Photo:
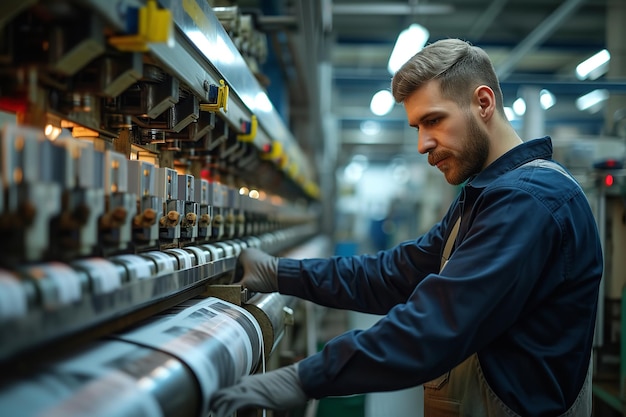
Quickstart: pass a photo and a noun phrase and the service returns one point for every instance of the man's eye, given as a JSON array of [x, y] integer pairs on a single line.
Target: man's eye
[[433, 122]]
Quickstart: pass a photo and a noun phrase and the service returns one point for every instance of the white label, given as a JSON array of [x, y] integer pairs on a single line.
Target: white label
[[104, 274], [66, 281], [13, 300]]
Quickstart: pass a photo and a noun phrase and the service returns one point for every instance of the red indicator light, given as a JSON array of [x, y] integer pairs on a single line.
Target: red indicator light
[[205, 174], [610, 163], [609, 180]]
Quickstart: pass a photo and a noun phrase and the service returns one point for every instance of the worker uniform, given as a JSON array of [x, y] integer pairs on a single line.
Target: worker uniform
[[504, 328]]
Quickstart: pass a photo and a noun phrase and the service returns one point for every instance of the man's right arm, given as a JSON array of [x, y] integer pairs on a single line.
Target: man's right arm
[[367, 283]]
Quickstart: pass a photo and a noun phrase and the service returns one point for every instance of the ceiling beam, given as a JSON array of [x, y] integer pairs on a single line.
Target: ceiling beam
[[399, 9], [484, 21], [537, 36]]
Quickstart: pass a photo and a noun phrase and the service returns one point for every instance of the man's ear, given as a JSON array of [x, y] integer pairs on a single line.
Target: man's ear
[[485, 98]]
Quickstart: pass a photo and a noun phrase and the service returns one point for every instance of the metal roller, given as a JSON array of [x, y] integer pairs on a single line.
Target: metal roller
[[201, 255], [229, 250], [185, 258], [219, 258], [216, 252], [273, 312], [165, 262], [136, 266], [57, 284], [236, 245], [252, 241]]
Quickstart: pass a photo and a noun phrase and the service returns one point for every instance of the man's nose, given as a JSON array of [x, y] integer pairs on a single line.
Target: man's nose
[[425, 142]]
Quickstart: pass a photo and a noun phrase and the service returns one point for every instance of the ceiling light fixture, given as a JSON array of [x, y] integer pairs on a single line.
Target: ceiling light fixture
[[510, 114], [594, 67], [382, 103], [519, 106], [546, 99], [370, 127], [592, 101], [410, 41]]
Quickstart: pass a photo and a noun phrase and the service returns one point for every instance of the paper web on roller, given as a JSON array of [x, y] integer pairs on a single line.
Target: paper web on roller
[[83, 385], [219, 341]]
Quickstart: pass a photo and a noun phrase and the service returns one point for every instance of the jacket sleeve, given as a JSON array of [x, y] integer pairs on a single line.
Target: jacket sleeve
[[366, 283], [448, 315]]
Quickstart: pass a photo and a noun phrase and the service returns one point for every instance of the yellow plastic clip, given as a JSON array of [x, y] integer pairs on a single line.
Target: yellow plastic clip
[[249, 137], [312, 189], [154, 25], [292, 169], [220, 101], [274, 152]]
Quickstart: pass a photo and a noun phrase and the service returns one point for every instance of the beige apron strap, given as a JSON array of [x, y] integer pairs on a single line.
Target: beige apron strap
[[449, 243]]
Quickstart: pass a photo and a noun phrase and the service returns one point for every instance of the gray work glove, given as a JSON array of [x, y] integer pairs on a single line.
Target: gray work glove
[[274, 390], [257, 271]]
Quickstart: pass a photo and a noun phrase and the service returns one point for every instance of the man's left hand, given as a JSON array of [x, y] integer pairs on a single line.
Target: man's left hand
[[274, 390]]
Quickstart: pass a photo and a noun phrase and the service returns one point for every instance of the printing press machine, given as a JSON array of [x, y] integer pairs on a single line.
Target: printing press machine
[[139, 157]]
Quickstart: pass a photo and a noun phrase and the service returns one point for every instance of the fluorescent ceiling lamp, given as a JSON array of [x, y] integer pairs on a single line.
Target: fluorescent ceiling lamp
[[519, 106], [354, 170], [382, 103], [592, 101], [370, 127], [410, 41], [546, 99], [594, 66], [510, 114]]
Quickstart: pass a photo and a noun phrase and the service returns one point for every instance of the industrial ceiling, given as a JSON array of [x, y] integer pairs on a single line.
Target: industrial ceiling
[[340, 49]]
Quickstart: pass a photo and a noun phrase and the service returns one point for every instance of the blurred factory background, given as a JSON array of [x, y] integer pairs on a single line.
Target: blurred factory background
[[145, 143]]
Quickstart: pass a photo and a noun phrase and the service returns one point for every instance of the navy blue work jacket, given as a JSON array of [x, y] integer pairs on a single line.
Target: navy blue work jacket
[[520, 290]]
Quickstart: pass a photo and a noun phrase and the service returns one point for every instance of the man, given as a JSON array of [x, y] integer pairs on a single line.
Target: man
[[494, 315]]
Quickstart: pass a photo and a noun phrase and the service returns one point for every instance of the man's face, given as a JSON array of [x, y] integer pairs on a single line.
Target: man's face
[[451, 136]]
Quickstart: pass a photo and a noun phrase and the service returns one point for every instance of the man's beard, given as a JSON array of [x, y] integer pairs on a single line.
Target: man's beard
[[471, 160]]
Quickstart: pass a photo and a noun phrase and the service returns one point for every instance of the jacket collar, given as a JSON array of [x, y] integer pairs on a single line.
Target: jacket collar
[[525, 152]]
